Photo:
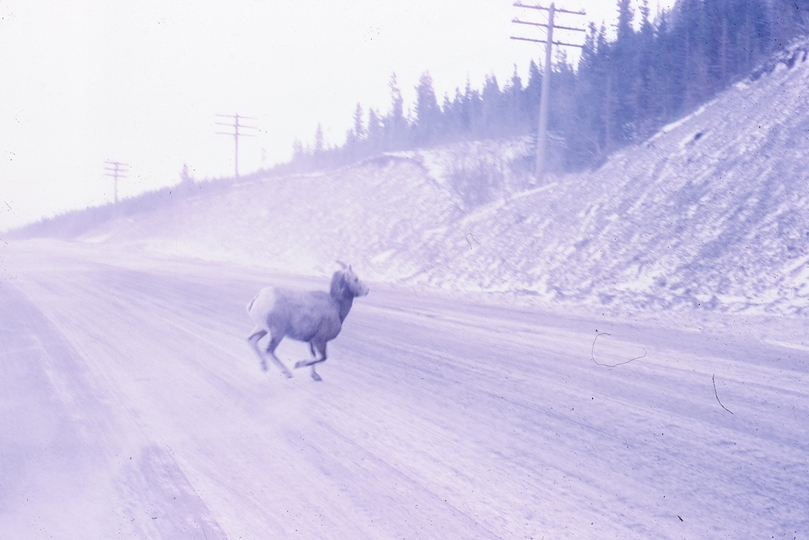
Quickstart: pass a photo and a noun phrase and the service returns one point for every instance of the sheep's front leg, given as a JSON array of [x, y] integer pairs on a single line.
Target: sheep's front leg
[[303, 363], [315, 376]]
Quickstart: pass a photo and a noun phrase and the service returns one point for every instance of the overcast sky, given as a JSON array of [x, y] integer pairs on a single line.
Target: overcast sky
[[141, 82]]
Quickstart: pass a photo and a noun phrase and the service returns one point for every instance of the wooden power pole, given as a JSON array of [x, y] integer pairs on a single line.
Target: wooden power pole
[[115, 170], [542, 133], [236, 134]]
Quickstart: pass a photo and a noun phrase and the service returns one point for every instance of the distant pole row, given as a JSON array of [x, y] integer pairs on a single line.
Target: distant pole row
[[117, 169], [542, 134]]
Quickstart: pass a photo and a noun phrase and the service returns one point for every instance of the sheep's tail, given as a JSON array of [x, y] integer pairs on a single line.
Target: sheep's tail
[[250, 305]]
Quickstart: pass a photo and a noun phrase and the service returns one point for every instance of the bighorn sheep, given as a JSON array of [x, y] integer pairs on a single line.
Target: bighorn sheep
[[314, 317]]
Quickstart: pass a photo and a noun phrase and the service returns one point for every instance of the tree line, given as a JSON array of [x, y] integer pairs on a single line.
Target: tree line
[[623, 90]]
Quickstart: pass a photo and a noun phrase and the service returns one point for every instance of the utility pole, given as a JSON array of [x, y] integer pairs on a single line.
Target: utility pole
[[542, 133], [236, 126], [115, 170]]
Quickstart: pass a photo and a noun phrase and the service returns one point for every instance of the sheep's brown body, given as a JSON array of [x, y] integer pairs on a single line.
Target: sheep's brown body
[[314, 317]]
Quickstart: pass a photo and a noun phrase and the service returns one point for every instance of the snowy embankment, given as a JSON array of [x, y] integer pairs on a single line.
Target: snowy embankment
[[711, 212], [381, 214]]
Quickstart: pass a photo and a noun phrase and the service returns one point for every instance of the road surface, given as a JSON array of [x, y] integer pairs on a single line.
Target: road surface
[[132, 407]]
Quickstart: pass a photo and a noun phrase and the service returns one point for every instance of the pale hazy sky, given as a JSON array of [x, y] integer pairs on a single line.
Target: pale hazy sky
[[141, 82]]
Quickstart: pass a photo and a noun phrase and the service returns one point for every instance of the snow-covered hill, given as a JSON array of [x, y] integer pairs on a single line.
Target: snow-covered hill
[[713, 211], [379, 214]]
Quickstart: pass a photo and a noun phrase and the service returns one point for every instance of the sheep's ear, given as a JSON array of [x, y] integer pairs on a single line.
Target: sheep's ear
[[341, 263]]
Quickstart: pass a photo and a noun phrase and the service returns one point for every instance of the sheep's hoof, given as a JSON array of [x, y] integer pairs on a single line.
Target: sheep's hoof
[[288, 375], [316, 377]]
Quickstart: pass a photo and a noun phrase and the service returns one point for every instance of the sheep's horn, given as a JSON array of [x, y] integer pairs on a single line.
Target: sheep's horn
[[341, 263]]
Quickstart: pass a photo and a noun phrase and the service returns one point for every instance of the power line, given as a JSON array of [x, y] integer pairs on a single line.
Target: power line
[[115, 170], [236, 134], [542, 134]]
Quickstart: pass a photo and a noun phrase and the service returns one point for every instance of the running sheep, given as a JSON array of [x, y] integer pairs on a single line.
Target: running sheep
[[314, 317]]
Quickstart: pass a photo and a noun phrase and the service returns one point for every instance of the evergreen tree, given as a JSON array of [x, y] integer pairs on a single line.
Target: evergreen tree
[[624, 76], [319, 145], [375, 132], [358, 133], [753, 35], [461, 114], [787, 19], [297, 150], [395, 123], [473, 111], [608, 104], [428, 114], [562, 119], [491, 108], [531, 97], [581, 138], [646, 116], [514, 117]]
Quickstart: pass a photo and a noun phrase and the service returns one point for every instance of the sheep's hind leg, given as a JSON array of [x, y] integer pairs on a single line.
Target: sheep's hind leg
[[271, 351], [253, 339]]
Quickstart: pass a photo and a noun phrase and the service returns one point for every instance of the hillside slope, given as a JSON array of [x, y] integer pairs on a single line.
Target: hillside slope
[[379, 214], [713, 211]]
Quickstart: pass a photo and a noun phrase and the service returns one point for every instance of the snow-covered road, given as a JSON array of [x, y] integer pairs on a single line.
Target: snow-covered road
[[132, 407]]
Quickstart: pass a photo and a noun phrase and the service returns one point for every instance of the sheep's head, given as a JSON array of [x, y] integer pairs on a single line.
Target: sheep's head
[[347, 281], [357, 287]]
